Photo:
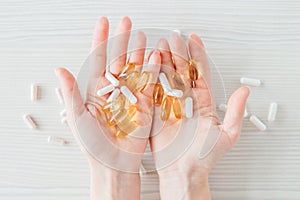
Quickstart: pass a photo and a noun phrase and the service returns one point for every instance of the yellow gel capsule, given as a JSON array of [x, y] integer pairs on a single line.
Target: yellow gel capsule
[[165, 108], [193, 72], [142, 83], [132, 110], [128, 68], [177, 82], [124, 122], [158, 94], [177, 108], [109, 120], [116, 104], [120, 134], [130, 80]]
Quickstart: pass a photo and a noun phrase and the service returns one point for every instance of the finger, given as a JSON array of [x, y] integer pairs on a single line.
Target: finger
[[234, 115], [153, 67], [120, 45], [99, 44], [138, 49], [179, 53], [198, 54], [166, 56], [70, 92]]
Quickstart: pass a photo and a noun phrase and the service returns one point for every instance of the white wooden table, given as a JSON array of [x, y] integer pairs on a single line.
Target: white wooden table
[[254, 38]]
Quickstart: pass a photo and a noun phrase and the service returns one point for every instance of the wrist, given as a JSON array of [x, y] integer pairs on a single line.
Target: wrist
[[107, 183]]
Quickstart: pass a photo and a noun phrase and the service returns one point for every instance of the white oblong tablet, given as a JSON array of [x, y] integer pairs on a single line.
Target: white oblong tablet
[[222, 107], [272, 111], [113, 95], [175, 93], [250, 81], [258, 123], [128, 94], [105, 90], [164, 82], [34, 92], [63, 113], [28, 119], [59, 95], [56, 140], [112, 79], [189, 107]]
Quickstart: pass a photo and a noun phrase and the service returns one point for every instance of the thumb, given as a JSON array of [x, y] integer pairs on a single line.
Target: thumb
[[235, 111], [70, 91]]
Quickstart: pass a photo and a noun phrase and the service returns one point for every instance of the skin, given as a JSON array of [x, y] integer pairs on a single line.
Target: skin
[[187, 177]]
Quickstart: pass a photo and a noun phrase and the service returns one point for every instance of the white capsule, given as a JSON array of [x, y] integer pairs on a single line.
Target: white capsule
[[113, 95], [105, 90], [164, 82], [59, 95], [246, 114], [272, 111], [250, 81], [189, 107], [64, 120], [175, 93], [128, 94], [63, 113], [34, 92], [112, 79], [30, 121], [56, 140], [222, 107], [258, 123]]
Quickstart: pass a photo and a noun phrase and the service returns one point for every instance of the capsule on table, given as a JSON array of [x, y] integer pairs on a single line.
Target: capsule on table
[[166, 108], [177, 81], [158, 94], [177, 108], [143, 81], [193, 71]]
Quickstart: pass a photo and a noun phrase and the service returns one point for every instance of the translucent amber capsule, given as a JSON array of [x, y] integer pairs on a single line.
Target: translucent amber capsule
[[116, 104], [193, 72], [158, 94], [120, 134], [109, 119], [128, 68], [166, 108], [130, 80], [123, 121], [193, 84], [177, 81], [143, 81], [177, 108], [132, 110]]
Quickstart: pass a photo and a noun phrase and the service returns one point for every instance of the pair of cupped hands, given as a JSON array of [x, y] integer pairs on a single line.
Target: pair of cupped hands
[[176, 144]]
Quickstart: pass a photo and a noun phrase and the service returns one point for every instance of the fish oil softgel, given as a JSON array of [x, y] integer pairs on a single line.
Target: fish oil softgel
[[120, 107]]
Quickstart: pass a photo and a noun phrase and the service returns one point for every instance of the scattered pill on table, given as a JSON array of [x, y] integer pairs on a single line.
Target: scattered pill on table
[[31, 123], [56, 140], [250, 81], [258, 123], [34, 93], [272, 111]]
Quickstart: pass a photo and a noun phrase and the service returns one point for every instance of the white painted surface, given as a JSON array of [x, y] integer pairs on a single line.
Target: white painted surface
[[259, 39]]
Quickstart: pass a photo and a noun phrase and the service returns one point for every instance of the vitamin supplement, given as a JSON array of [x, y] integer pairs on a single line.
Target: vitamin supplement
[[34, 92], [28, 119], [56, 140], [222, 107], [164, 82], [176, 81], [64, 120], [143, 81], [258, 123], [177, 108], [250, 81], [115, 104], [59, 95], [105, 90], [193, 71], [123, 121], [193, 84], [165, 108], [129, 67], [130, 80], [128, 94], [189, 107], [175, 93], [158, 94], [120, 134], [132, 110], [112, 79], [272, 111], [63, 113], [113, 95]]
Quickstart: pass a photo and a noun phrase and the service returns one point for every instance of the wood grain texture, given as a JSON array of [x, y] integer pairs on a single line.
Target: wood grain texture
[[255, 38]]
